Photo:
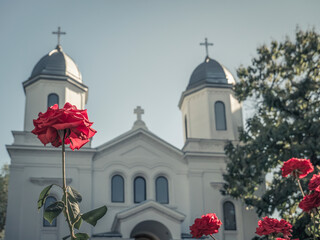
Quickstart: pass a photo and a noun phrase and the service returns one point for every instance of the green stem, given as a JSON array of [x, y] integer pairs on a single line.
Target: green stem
[[272, 236], [62, 135], [314, 226], [212, 237], [300, 187]]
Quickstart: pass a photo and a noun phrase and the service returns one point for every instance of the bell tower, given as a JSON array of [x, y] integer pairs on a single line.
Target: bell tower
[[55, 79], [211, 116], [208, 105]]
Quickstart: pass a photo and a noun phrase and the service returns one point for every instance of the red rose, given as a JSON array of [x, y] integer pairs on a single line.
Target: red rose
[[206, 225], [314, 184], [310, 201], [195, 229], [268, 226], [299, 167], [69, 118], [286, 239]]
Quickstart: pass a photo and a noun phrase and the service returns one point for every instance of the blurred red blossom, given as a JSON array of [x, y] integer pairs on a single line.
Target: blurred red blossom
[[286, 239], [314, 184], [269, 226], [206, 225], [298, 167], [310, 201]]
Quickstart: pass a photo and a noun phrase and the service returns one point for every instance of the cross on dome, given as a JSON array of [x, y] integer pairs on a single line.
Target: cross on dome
[[139, 111], [58, 34], [206, 44]]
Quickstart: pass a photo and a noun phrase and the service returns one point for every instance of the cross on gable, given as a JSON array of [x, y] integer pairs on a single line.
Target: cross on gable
[[206, 44], [139, 111], [59, 33]]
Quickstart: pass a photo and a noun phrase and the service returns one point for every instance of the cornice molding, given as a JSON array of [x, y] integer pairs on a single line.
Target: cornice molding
[[42, 181]]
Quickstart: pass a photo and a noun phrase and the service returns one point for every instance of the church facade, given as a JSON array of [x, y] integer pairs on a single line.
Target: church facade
[[153, 190]]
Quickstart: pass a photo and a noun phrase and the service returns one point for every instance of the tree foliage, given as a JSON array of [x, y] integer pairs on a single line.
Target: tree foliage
[[4, 179], [284, 82]]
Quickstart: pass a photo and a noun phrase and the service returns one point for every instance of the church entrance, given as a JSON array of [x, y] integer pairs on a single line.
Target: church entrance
[[150, 230], [144, 237]]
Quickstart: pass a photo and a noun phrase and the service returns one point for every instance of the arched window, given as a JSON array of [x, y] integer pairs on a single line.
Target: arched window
[[220, 116], [186, 126], [117, 189], [48, 202], [53, 99], [229, 215], [139, 189], [162, 194]]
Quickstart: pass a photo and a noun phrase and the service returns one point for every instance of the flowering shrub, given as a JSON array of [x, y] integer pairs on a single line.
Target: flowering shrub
[[67, 125], [206, 225], [270, 227], [300, 168]]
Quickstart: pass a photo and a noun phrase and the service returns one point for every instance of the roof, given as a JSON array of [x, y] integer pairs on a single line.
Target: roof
[[57, 63], [210, 72], [141, 131]]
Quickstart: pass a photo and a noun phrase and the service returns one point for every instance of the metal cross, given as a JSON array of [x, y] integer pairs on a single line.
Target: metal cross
[[59, 33], [139, 111], [206, 44]]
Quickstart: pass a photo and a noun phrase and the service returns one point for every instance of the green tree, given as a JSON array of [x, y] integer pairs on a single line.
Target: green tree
[[284, 83], [4, 178]]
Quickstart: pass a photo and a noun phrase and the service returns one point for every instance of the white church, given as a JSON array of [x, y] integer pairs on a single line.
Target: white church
[[152, 189]]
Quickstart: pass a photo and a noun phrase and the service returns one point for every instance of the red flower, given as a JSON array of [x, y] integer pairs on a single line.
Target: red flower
[[206, 225], [270, 225], [314, 183], [299, 167], [310, 201], [69, 118], [286, 239]]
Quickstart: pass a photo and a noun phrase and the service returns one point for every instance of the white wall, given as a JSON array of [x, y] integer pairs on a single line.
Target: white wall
[[32, 169], [198, 107], [138, 156], [37, 98]]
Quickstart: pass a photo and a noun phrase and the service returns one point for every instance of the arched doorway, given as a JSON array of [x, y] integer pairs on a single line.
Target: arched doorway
[[150, 230]]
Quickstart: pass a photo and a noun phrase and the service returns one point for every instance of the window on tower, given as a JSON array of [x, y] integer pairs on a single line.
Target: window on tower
[[162, 195], [220, 116], [229, 215], [117, 189], [48, 202], [139, 189], [53, 99], [186, 126]]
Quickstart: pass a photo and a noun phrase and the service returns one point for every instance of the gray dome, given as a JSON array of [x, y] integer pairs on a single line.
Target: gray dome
[[210, 71], [57, 63]]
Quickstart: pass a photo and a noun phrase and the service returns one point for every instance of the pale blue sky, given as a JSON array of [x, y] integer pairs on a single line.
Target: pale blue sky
[[135, 52]]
